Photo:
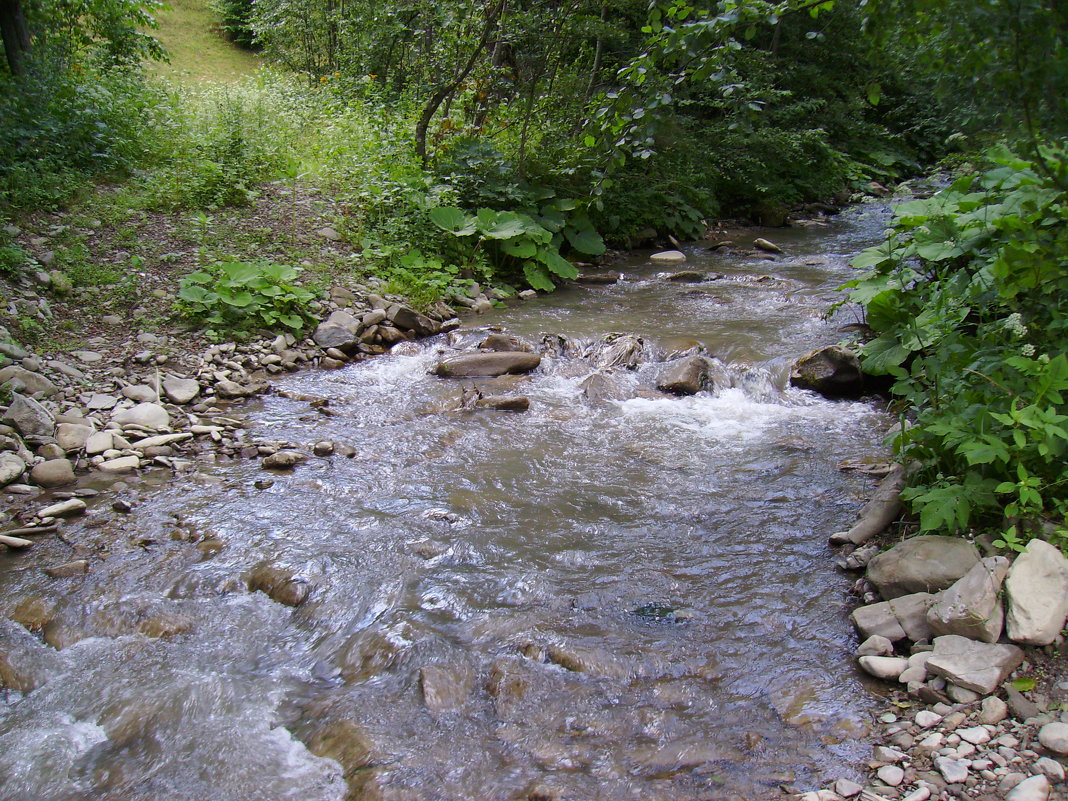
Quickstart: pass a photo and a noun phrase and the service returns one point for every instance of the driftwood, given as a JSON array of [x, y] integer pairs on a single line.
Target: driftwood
[[878, 513]]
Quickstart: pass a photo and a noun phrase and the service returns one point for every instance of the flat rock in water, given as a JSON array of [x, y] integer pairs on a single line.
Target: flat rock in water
[[79, 567], [504, 344], [977, 666], [145, 415], [504, 403], [27, 381], [284, 460], [1037, 589], [684, 377], [921, 564], [686, 277], [470, 365], [971, 607], [668, 257], [68, 508], [766, 246], [30, 418], [180, 390]]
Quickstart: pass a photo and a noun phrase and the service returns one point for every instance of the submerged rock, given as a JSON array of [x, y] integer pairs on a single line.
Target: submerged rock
[[444, 689], [278, 584]]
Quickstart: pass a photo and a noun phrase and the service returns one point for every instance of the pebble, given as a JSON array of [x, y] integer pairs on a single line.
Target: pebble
[[1054, 736], [891, 775], [925, 718], [977, 735], [952, 770]]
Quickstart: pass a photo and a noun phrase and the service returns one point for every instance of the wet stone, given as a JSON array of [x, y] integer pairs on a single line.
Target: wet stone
[[78, 567], [445, 689], [278, 584]]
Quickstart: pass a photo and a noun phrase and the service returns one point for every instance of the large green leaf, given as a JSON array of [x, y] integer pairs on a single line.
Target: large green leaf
[[522, 248], [241, 272], [883, 356], [197, 294], [556, 263], [538, 277], [585, 241], [499, 224], [453, 220]]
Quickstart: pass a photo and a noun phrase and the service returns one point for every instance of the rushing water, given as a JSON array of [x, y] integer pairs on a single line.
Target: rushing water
[[623, 596]]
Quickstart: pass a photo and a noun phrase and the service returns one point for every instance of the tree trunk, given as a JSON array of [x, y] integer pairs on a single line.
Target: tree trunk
[[15, 33], [435, 101]]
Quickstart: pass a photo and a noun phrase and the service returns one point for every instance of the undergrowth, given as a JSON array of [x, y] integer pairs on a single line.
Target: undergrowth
[[967, 302]]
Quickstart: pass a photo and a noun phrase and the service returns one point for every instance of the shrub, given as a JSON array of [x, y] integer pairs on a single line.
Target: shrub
[[967, 300], [236, 297]]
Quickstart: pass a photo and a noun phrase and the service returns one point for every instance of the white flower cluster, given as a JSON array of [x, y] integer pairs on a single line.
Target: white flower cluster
[[1015, 326]]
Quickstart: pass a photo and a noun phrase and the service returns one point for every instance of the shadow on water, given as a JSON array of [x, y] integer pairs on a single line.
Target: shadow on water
[[617, 594]]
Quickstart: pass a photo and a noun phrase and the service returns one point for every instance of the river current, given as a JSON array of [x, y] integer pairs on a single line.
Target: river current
[[616, 594]]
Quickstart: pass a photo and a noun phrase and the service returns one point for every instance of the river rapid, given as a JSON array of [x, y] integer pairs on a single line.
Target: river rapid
[[616, 594]]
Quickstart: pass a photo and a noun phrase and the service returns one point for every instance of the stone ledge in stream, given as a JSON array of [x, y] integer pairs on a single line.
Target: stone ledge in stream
[[470, 365]]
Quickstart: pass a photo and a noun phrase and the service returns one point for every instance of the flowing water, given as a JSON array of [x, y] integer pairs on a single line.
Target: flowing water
[[616, 594]]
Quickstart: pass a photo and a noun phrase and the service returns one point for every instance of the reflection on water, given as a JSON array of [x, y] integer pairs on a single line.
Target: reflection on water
[[616, 594]]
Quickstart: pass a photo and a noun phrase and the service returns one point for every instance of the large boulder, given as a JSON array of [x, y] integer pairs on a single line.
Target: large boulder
[[977, 666], [832, 371], [468, 365], [340, 330], [901, 618], [1037, 589], [972, 606], [685, 376], [921, 564], [23, 380], [30, 418]]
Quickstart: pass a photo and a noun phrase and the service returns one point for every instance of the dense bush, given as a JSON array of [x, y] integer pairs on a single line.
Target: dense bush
[[967, 301], [60, 126]]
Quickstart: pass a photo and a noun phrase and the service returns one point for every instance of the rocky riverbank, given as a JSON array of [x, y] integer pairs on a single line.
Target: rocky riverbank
[[970, 642]]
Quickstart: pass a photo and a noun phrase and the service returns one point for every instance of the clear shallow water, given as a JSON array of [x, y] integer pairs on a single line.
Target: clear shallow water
[[509, 551]]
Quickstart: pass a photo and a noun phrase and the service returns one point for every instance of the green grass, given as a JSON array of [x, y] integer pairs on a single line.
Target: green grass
[[189, 31]]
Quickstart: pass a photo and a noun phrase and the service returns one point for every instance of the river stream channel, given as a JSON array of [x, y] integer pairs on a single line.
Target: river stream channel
[[617, 594]]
